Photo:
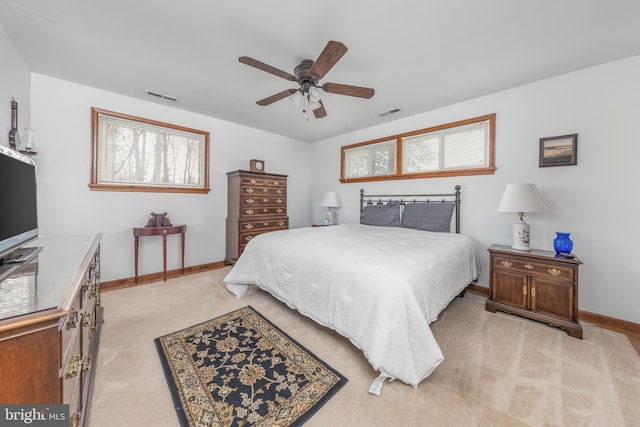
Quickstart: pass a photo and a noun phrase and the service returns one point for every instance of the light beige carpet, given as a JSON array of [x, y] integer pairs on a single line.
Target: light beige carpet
[[499, 370]]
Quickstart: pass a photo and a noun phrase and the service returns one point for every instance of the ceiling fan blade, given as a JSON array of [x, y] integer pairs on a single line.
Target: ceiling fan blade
[[277, 97], [331, 54], [266, 67], [359, 91], [320, 112]]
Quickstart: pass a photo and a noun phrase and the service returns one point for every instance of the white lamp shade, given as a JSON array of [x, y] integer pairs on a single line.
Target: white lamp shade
[[330, 200], [314, 94], [297, 98], [522, 198]]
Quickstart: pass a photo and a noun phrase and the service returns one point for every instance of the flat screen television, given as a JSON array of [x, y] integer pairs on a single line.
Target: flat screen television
[[18, 201]]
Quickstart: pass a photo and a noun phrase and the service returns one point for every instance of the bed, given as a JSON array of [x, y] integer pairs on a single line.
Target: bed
[[380, 283]]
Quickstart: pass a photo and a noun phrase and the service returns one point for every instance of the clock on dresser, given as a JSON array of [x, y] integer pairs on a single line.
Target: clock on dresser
[[256, 165]]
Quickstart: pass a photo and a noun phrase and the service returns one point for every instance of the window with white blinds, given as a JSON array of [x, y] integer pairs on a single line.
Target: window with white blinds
[[371, 160], [459, 147], [135, 154], [465, 147]]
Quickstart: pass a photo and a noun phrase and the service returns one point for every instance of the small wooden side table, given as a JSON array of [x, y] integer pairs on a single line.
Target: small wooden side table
[[164, 232]]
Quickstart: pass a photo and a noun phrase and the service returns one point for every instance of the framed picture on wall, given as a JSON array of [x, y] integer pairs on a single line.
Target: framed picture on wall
[[559, 150]]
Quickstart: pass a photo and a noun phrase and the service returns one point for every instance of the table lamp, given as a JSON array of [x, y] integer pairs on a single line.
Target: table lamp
[[330, 200], [522, 198]]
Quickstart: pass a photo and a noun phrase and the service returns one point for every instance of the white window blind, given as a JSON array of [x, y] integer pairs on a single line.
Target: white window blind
[[371, 160], [460, 147]]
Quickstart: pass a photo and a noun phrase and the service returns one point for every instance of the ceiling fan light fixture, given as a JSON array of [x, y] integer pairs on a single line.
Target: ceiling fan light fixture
[[297, 98], [308, 75], [314, 95], [313, 105]]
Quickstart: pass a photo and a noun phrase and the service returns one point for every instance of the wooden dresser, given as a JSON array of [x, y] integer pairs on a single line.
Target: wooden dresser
[[539, 285], [50, 320], [257, 203]]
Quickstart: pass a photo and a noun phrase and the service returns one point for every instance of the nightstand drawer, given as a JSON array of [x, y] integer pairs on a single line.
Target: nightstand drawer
[[544, 269]]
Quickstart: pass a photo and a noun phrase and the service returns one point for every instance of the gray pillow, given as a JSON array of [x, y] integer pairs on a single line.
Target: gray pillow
[[381, 215], [428, 216]]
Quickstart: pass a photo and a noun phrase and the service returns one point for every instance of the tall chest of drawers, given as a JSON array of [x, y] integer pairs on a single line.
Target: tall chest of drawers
[[257, 203], [50, 321]]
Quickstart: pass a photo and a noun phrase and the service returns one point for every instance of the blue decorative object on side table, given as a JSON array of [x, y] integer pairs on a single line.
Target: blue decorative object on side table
[[562, 243]]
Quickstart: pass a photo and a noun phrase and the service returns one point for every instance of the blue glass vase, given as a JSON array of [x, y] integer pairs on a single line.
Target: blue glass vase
[[562, 243]]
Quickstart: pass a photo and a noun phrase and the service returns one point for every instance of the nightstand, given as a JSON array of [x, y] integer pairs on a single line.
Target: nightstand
[[538, 285]]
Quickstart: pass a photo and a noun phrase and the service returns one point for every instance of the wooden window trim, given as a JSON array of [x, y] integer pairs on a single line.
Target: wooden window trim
[[488, 170], [94, 185]]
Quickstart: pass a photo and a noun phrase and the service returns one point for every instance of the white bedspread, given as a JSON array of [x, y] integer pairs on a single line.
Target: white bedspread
[[378, 286]]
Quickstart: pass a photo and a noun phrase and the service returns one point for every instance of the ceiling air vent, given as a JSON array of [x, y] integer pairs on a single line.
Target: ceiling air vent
[[159, 95], [386, 113]]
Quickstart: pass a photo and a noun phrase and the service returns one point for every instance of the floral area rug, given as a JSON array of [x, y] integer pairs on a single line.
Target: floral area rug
[[241, 369]]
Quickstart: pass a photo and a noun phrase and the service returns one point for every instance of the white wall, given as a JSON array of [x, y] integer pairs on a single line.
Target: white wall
[[14, 78], [61, 112], [595, 201]]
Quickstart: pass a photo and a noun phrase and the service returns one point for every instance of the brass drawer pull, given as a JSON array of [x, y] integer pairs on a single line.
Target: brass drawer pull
[[554, 272], [265, 200], [279, 201], [74, 366], [528, 266], [279, 210], [247, 238], [279, 191], [524, 290], [249, 211], [86, 363], [75, 419], [250, 201], [280, 223], [86, 319], [265, 210], [253, 181], [266, 224], [248, 226], [506, 263], [276, 182], [265, 190], [249, 190], [533, 292], [72, 321]]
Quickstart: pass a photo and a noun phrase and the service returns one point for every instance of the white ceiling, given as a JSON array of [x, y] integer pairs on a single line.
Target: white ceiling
[[418, 55]]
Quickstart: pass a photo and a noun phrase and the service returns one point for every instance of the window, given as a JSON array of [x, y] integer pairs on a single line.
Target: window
[[377, 159], [135, 154], [461, 148]]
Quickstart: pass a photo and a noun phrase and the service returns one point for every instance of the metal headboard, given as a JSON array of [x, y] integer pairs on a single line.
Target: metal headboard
[[379, 199]]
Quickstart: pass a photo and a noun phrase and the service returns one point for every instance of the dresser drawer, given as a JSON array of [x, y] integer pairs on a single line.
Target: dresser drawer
[[69, 328], [264, 181], [260, 211], [258, 201], [71, 369], [259, 226], [245, 237], [262, 191], [543, 269]]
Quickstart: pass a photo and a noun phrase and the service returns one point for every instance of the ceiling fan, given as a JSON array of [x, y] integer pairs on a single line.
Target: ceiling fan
[[308, 75]]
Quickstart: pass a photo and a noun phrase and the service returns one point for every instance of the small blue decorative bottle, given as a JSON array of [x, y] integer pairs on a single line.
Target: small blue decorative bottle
[[562, 243]]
